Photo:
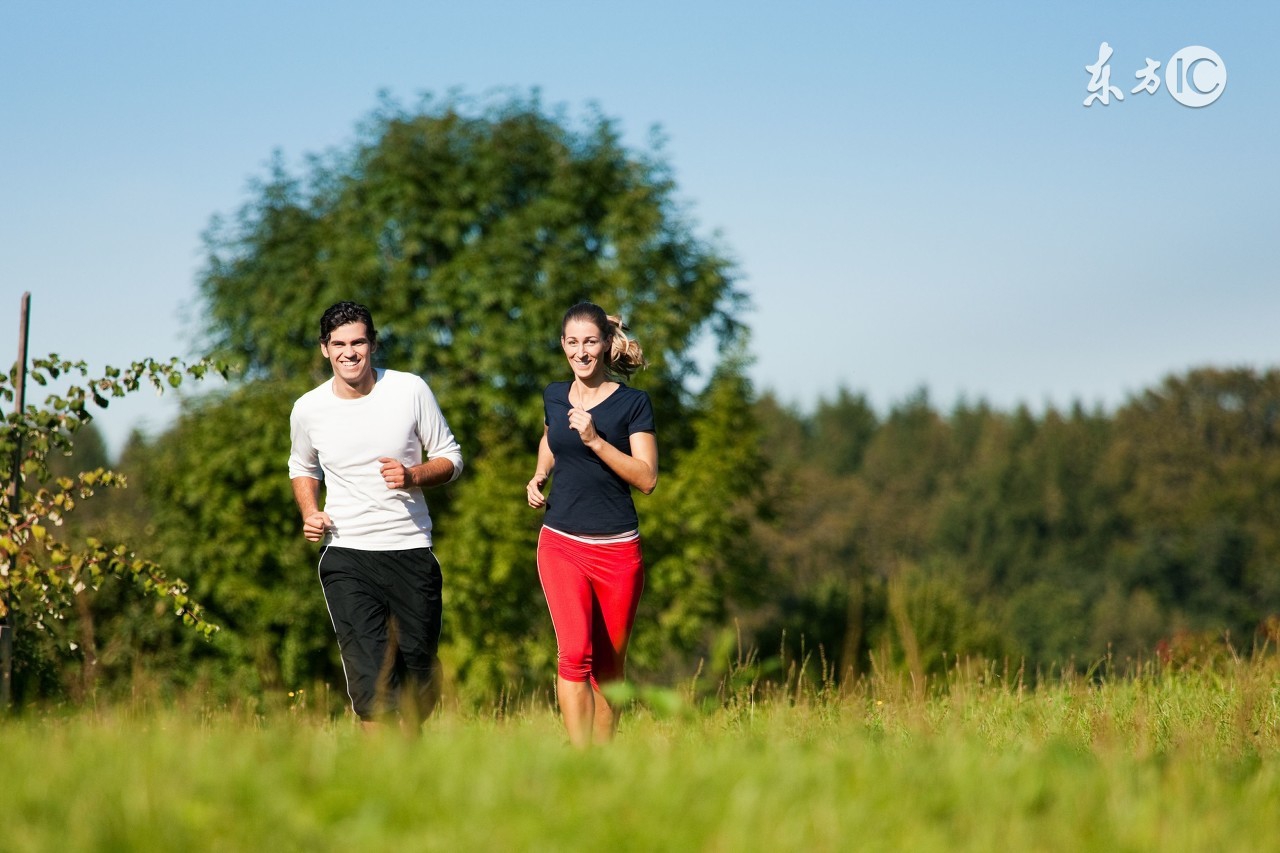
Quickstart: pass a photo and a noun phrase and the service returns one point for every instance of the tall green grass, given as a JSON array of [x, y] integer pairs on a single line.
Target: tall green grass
[[1160, 759]]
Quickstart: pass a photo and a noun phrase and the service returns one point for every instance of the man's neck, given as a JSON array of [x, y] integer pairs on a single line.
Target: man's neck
[[347, 391]]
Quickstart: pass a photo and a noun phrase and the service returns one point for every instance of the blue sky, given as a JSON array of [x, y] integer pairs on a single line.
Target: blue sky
[[915, 194]]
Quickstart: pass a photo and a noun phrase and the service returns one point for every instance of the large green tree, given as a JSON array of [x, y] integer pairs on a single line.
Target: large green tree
[[468, 229], [469, 232]]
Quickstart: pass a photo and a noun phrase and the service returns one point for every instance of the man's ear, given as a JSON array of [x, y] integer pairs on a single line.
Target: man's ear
[[324, 349]]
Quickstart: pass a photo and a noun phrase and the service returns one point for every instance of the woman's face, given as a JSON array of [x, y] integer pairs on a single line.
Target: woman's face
[[584, 346]]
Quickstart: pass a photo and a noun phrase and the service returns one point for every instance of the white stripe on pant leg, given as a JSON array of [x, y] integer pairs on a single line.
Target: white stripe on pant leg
[[538, 563], [341, 658]]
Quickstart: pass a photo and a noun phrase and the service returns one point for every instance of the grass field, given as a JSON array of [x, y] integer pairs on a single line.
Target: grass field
[[1161, 760]]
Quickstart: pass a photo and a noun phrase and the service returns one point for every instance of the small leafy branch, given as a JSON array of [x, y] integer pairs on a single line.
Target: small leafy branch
[[38, 570]]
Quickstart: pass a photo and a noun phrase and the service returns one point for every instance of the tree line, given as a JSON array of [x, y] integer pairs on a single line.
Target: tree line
[[905, 538], [1056, 539]]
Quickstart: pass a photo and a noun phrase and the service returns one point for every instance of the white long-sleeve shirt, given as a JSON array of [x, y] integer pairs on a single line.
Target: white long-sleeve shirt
[[338, 441]]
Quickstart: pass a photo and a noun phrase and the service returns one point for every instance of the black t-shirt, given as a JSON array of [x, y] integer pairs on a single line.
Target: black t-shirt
[[586, 496]]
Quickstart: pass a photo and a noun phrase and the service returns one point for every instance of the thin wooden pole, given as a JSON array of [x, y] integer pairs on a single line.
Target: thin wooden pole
[[13, 495]]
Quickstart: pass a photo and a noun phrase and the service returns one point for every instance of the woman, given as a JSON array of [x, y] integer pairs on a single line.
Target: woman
[[598, 436]]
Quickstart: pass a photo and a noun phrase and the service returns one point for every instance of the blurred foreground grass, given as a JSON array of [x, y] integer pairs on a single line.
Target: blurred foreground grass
[[1162, 760]]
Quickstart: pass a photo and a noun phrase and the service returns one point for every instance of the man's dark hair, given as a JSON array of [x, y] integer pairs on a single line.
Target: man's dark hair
[[342, 313]]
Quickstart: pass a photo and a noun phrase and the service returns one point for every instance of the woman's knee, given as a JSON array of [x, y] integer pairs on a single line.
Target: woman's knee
[[574, 667]]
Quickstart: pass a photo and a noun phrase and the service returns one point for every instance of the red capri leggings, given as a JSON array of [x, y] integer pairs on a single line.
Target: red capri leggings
[[592, 591]]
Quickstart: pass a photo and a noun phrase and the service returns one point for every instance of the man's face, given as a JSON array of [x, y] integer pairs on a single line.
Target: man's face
[[348, 351]]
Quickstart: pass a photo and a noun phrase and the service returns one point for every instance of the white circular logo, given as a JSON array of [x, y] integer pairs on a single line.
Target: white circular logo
[[1195, 76]]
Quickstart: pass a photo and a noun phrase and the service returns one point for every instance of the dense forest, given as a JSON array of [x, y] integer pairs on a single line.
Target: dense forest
[[855, 538], [909, 538], [1056, 540]]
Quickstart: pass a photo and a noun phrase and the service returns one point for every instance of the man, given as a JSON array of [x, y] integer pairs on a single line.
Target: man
[[376, 438]]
